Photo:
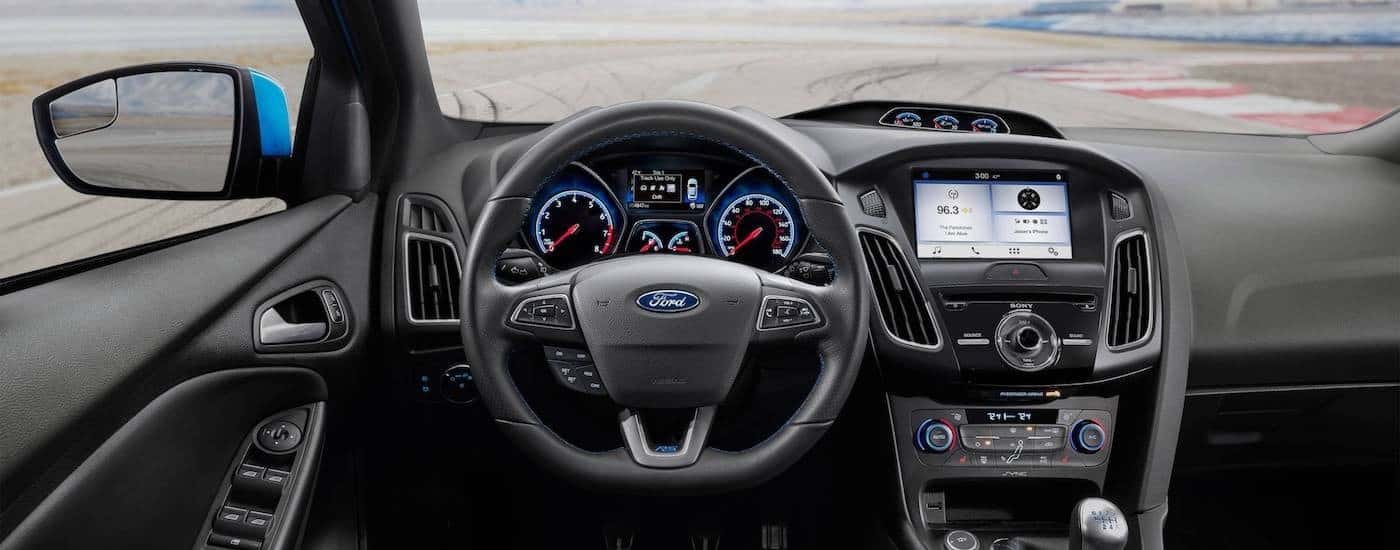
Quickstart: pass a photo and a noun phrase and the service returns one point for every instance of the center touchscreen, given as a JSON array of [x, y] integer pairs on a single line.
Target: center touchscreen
[[993, 214]]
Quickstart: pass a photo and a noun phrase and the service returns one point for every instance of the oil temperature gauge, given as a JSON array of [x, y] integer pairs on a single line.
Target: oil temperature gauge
[[664, 236]]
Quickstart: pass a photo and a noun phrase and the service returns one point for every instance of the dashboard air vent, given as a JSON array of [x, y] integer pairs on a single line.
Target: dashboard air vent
[[1132, 293], [432, 278], [424, 217], [898, 291]]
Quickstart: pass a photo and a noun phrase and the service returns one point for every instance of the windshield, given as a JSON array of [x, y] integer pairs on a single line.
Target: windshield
[[1251, 66]]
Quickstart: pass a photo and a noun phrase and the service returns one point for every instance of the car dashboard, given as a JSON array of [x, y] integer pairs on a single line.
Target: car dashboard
[[1033, 295]]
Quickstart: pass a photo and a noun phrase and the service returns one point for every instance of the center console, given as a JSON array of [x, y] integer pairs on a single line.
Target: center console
[[1035, 278]]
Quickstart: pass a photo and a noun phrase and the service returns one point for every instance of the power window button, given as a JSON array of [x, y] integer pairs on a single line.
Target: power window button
[[276, 477], [258, 522], [249, 472]]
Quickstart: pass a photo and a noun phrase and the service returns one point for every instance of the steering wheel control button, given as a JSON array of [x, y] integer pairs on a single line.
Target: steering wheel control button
[[935, 436], [279, 436], [1026, 341], [786, 312], [551, 311], [960, 540], [1088, 437], [458, 385], [567, 354], [574, 369]]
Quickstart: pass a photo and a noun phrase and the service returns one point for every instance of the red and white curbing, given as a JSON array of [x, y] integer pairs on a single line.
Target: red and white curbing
[[1170, 83]]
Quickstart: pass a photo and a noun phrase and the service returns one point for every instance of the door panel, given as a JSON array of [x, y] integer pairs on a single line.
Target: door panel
[[99, 426], [152, 483]]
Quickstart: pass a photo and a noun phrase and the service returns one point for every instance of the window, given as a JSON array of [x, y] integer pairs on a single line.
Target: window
[[1246, 66], [42, 222]]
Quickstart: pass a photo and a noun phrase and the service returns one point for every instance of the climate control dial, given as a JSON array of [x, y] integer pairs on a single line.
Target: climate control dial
[[1088, 436], [935, 436]]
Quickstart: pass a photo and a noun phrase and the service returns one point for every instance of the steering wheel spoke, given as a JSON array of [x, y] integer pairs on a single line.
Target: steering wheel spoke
[[792, 311], [545, 311], [667, 450]]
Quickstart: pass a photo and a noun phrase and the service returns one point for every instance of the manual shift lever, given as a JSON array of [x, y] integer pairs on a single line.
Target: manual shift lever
[[1096, 524]]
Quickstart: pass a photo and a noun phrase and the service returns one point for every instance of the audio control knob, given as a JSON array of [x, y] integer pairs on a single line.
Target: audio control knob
[[934, 436], [1087, 436], [1026, 341]]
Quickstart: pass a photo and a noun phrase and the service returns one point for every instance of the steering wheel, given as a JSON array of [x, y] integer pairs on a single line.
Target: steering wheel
[[678, 352]]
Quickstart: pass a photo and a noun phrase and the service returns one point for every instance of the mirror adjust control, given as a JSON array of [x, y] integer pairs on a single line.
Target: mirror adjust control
[[279, 436], [547, 311], [225, 541]]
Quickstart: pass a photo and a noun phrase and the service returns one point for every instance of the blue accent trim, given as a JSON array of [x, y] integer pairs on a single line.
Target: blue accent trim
[[274, 124]]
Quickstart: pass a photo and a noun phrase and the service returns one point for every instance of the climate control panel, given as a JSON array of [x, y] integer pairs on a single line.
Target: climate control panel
[[1012, 437]]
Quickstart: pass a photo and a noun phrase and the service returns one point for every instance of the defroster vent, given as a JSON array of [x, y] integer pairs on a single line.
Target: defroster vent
[[1131, 320], [898, 290]]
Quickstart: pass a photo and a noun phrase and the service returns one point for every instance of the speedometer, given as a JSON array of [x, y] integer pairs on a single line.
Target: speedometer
[[756, 229], [573, 227]]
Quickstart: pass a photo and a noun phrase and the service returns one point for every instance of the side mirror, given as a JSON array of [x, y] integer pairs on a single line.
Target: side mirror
[[167, 130]]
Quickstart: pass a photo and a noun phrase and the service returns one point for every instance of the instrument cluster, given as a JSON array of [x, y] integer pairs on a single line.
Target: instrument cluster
[[664, 204]]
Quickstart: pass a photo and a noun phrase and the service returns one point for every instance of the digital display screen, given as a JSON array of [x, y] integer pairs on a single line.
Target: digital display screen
[[666, 189], [993, 214], [1012, 416]]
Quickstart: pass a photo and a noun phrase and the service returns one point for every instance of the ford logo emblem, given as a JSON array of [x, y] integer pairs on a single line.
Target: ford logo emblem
[[668, 301]]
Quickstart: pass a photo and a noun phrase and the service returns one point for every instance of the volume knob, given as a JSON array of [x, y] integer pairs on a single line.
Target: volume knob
[[1026, 341]]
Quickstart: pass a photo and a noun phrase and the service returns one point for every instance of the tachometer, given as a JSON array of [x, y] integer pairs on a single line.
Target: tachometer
[[573, 227], [756, 229]]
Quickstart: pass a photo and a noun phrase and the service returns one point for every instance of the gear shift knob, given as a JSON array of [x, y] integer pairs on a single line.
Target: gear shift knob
[[1097, 524]]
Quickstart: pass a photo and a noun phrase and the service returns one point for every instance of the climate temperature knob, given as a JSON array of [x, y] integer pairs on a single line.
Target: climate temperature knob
[[1087, 437], [934, 436], [1026, 341]]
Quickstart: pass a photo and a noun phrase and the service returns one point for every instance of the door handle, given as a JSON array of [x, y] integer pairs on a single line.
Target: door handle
[[273, 329], [309, 317]]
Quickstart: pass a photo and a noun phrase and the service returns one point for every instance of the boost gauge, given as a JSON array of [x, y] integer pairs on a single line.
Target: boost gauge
[[574, 226]]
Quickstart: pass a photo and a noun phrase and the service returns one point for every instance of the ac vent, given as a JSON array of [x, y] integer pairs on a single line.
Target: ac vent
[[424, 217], [432, 279], [898, 290], [1132, 304]]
